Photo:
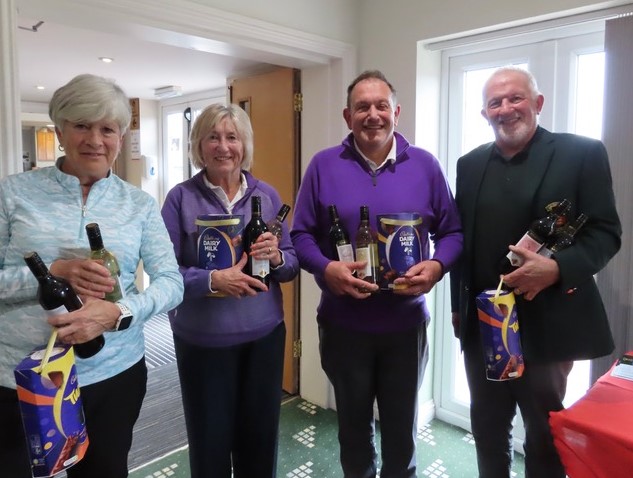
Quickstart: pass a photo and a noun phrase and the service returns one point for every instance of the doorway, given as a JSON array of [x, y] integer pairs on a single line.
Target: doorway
[[271, 101]]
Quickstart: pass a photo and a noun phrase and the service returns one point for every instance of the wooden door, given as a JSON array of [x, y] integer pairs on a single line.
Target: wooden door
[[270, 100]]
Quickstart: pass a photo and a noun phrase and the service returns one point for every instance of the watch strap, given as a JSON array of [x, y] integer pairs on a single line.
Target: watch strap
[[125, 319]]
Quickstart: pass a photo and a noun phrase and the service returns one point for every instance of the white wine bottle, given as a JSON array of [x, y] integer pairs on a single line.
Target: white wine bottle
[[99, 252], [56, 296], [257, 268], [275, 224], [366, 248]]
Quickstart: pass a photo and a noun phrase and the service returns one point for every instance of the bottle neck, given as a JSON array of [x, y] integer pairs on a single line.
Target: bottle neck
[[37, 267], [333, 215], [283, 212], [256, 207], [96, 245], [364, 215]]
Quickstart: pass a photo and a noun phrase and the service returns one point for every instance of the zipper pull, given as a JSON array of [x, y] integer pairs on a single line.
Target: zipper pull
[[83, 210]]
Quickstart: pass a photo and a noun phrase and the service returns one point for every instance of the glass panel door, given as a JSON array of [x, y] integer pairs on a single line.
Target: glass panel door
[[570, 72], [178, 119]]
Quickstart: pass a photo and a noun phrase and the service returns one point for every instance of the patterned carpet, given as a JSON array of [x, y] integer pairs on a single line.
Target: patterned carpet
[[308, 448], [308, 444]]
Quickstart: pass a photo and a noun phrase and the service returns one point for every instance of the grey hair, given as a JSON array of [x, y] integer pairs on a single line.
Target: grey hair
[[90, 98], [208, 120], [370, 75], [531, 80]]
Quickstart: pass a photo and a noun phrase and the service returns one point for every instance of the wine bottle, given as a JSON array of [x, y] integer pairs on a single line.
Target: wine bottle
[[342, 249], [563, 237], [99, 252], [56, 296], [537, 234], [257, 268], [274, 225], [366, 248]]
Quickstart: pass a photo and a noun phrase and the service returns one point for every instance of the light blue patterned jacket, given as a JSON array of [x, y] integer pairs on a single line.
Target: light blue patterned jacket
[[42, 211]]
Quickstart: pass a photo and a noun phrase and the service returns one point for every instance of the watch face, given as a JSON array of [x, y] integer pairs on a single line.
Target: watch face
[[124, 322]]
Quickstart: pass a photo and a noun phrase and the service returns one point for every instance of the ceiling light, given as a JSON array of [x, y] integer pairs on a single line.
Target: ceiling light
[[168, 91], [106, 59], [40, 87]]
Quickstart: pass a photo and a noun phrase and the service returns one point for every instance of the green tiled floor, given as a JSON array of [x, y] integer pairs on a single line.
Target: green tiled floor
[[308, 448]]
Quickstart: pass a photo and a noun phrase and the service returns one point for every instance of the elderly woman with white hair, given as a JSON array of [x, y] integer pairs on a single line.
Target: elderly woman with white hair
[[229, 331], [46, 211]]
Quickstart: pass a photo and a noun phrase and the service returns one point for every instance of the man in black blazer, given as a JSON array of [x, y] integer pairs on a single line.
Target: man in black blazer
[[501, 188]]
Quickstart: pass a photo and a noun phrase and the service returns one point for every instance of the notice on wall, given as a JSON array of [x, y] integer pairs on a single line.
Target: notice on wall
[[134, 139], [134, 133]]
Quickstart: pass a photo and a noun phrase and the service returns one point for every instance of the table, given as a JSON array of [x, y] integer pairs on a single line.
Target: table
[[594, 437]]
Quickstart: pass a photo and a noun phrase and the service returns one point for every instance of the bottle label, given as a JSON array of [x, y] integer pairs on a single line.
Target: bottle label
[[345, 252], [527, 242], [58, 311], [260, 267], [364, 254]]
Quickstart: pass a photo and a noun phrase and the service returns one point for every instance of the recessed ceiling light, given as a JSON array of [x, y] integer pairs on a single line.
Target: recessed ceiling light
[[106, 59], [40, 87]]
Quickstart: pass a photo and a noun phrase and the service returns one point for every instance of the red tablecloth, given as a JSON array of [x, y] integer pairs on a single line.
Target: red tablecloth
[[594, 436]]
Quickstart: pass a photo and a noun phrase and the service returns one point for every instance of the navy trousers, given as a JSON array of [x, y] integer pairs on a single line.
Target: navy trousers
[[538, 391], [387, 368], [232, 401]]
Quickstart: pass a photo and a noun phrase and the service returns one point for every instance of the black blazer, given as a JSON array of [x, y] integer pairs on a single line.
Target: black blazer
[[556, 324]]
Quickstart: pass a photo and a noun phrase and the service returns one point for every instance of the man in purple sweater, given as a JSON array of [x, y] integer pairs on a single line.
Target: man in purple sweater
[[373, 343]]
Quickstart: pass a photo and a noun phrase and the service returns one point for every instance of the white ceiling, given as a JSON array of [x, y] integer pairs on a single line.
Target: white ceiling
[[55, 53]]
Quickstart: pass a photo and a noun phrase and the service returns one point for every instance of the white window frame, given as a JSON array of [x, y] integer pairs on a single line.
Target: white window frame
[[197, 102]]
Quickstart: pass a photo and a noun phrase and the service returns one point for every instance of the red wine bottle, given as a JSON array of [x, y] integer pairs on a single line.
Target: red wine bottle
[[535, 237], [257, 268], [342, 249], [56, 296], [563, 237]]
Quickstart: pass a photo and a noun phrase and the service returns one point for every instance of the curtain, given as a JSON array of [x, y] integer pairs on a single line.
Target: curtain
[[616, 280]]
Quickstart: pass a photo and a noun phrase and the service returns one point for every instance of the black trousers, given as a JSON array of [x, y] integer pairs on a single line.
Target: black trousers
[[111, 408], [538, 391], [232, 401], [387, 368]]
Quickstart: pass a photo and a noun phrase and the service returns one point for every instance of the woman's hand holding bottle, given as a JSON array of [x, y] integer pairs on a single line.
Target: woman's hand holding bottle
[[89, 278], [234, 282]]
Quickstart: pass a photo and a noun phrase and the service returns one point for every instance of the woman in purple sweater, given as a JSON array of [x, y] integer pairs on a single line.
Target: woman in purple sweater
[[229, 331]]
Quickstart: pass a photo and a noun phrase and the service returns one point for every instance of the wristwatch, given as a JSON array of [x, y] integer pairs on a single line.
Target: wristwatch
[[125, 319]]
